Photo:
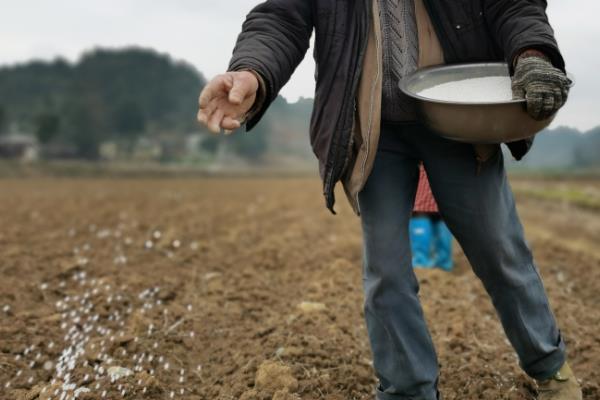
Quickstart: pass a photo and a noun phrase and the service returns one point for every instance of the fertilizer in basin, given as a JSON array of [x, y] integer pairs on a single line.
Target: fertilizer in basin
[[491, 89]]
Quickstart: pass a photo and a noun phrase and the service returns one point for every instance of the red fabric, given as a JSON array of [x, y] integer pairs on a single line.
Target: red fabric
[[424, 201]]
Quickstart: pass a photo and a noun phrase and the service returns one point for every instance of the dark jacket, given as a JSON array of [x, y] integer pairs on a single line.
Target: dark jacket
[[276, 34]]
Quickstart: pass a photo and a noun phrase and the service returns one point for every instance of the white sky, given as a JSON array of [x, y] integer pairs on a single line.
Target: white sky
[[203, 32]]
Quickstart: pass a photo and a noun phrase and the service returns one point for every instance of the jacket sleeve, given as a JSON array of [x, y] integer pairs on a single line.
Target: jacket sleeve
[[518, 25], [275, 38]]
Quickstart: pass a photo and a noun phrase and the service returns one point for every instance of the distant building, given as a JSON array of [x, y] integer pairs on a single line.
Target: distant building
[[193, 143], [17, 146], [109, 151], [59, 151], [146, 149]]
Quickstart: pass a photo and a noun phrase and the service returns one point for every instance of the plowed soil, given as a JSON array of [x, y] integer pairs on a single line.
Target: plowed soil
[[246, 289]]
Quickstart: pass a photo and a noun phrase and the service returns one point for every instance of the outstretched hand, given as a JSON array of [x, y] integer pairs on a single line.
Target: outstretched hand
[[226, 100]]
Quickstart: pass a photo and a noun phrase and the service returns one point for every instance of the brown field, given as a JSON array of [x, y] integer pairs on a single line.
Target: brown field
[[191, 285]]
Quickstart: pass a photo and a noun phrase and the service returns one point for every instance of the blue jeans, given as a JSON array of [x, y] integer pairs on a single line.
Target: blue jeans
[[478, 206]]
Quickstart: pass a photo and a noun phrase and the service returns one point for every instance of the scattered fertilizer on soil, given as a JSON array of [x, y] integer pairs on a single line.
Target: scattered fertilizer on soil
[[491, 89], [220, 320]]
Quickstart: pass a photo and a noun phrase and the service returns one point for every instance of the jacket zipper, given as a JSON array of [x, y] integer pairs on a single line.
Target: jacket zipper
[[330, 175], [371, 106]]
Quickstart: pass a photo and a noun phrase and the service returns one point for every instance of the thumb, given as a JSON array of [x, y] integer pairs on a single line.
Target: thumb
[[518, 93], [240, 89], [518, 89]]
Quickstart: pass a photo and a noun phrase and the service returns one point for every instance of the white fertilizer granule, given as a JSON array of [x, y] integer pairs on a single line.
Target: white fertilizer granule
[[492, 89]]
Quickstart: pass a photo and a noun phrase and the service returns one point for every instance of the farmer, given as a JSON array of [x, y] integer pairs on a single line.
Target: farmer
[[366, 135], [430, 239]]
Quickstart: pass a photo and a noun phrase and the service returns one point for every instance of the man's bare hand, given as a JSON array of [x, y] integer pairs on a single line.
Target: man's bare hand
[[226, 100]]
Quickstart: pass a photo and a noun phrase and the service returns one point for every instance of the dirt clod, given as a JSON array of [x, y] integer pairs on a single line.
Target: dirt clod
[[273, 376], [311, 306]]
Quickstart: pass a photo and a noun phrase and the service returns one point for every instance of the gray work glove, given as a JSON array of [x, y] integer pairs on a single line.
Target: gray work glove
[[545, 87]]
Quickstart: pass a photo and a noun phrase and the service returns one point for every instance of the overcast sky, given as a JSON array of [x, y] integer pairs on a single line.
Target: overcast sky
[[203, 33]]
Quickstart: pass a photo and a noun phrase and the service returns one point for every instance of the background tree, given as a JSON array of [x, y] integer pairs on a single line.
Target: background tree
[[211, 144], [130, 123], [3, 119], [124, 92], [47, 127], [86, 127], [250, 145], [588, 150]]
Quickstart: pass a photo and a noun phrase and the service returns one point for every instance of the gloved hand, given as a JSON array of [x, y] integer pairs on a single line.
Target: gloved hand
[[545, 87]]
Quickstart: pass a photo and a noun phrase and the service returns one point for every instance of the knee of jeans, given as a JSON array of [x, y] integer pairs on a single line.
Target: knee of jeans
[[388, 288], [387, 228], [501, 258], [501, 277], [387, 255]]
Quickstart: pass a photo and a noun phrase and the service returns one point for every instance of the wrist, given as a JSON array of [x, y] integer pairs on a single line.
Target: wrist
[[261, 94], [529, 53]]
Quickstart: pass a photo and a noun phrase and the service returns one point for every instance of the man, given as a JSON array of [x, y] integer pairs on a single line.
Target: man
[[365, 134]]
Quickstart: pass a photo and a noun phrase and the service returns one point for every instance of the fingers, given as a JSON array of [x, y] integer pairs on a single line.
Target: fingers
[[218, 86], [206, 112], [228, 81], [549, 107], [202, 117], [214, 123], [208, 101], [559, 100], [210, 91], [565, 89], [552, 102], [518, 92], [545, 87], [542, 106], [230, 124], [218, 120], [244, 85], [565, 95], [224, 99], [535, 104], [207, 98]]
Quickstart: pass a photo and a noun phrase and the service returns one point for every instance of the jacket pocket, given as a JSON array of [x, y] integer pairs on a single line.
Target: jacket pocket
[[473, 40], [467, 16]]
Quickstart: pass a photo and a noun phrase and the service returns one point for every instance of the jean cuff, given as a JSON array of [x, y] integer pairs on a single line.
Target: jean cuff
[[387, 396], [548, 366]]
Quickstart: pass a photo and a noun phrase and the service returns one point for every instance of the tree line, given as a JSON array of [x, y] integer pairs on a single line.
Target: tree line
[[108, 95], [563, 148], [126, 94]]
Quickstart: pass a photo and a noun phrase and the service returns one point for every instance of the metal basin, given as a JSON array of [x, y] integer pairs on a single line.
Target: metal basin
[[495, 122]]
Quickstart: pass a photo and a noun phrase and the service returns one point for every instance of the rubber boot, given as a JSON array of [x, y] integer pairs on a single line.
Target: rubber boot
[[420, 239], [442, 246], [562, 386]]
